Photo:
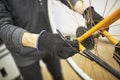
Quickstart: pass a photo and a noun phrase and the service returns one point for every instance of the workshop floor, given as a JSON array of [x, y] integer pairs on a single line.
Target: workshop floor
[[91, 68]]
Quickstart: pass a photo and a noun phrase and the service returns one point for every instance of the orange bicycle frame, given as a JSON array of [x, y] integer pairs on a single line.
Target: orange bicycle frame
[[101, 26]]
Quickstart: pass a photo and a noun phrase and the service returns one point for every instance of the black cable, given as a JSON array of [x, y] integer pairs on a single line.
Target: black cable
[[93, 57], [102, 63]]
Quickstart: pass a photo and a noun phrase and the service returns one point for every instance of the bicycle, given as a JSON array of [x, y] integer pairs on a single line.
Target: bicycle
[[87, 53]]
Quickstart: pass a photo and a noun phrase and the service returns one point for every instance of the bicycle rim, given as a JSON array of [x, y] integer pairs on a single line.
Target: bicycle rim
[[108, 48]]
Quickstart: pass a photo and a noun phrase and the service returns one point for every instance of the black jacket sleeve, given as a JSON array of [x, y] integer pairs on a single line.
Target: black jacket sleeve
[[10, 34]]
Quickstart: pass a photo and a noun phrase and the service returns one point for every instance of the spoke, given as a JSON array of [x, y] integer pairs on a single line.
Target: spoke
[[115, 34], [117, 46], [97, 53], [96, 48], [73, 15], [112, 7], [105, 7], [90, 13], [90, 2], [115, 25]]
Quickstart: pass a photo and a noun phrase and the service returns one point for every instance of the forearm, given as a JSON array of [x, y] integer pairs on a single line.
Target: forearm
[[18, 37], [14, 36], [29, 39], [79, 6], [11, 35]]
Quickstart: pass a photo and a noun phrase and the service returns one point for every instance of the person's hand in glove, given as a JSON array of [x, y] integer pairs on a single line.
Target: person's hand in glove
[[92, 17], [89, 13], [54, 44]]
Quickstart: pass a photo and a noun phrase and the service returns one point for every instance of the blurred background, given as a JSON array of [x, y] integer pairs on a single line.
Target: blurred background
[[67, 21]]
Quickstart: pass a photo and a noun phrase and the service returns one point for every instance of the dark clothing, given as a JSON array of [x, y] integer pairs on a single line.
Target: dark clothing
[[31, 72], [17, 17], [53, 66], [1, 41]]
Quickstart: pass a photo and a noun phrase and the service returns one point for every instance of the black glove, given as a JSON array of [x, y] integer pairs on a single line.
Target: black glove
[[54, 44], [92, 17]]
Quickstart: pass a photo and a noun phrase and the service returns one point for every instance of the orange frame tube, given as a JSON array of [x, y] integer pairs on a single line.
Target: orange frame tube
[[101, 25], [109, 37]]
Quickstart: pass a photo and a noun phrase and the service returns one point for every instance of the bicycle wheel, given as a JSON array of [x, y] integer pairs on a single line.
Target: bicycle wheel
[[103, 49]]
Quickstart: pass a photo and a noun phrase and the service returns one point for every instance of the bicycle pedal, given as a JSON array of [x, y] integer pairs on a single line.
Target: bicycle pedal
[[88, 43]]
